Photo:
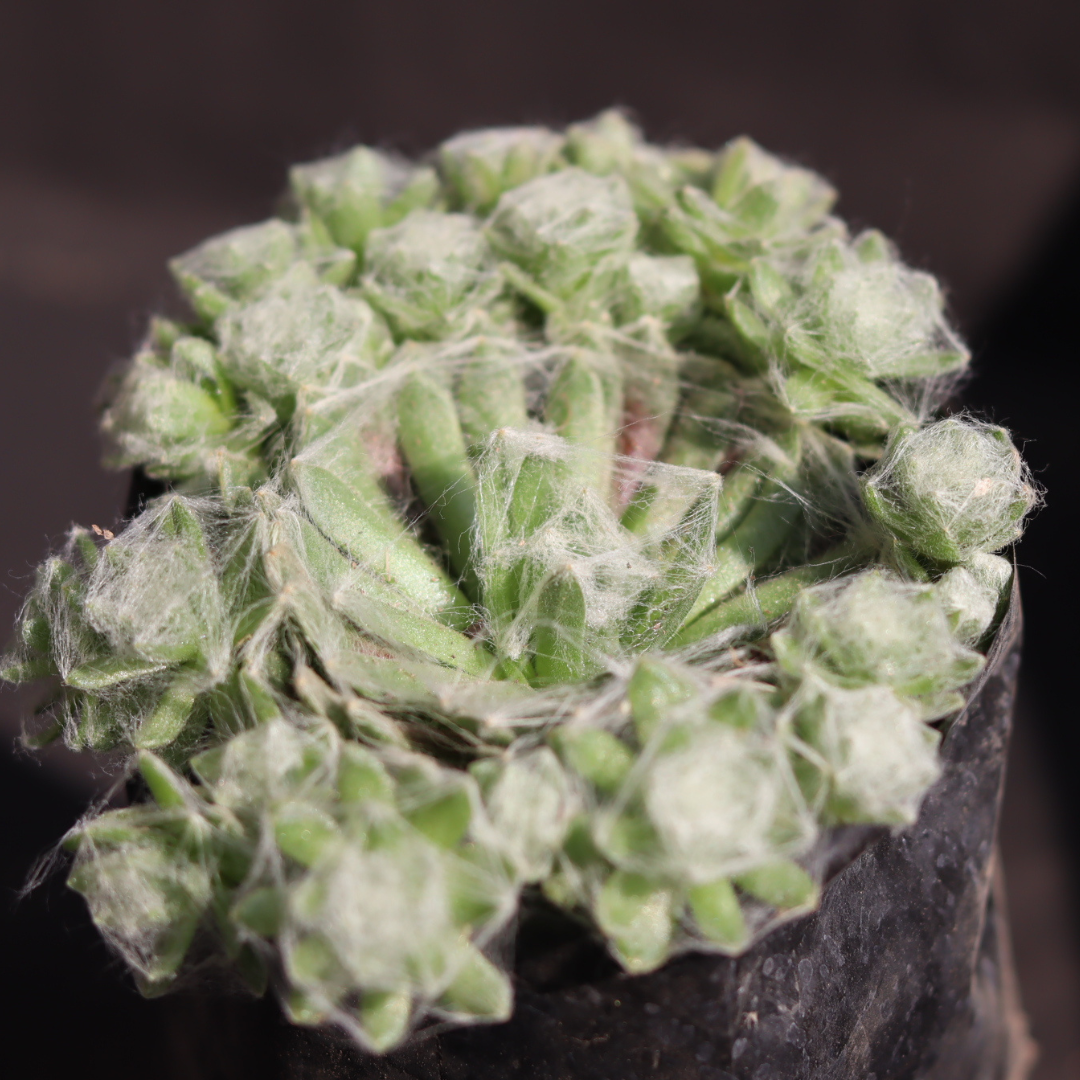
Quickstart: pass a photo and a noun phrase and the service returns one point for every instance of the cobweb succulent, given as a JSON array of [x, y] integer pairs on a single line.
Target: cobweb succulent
[[566, 517]]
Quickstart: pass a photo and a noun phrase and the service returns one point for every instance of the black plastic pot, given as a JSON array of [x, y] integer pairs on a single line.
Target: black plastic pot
[[904, 972]]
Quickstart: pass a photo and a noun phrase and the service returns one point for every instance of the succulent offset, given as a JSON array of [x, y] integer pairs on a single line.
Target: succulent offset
[[569, 516]]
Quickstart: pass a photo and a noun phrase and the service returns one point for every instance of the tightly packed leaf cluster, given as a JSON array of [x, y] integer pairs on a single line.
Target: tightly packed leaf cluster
[[568, 515]]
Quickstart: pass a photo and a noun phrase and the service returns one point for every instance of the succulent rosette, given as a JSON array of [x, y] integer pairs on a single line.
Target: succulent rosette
[[567, 516]]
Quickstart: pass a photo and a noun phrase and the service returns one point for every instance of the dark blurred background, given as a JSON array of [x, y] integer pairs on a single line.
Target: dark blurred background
[[129, 131]]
